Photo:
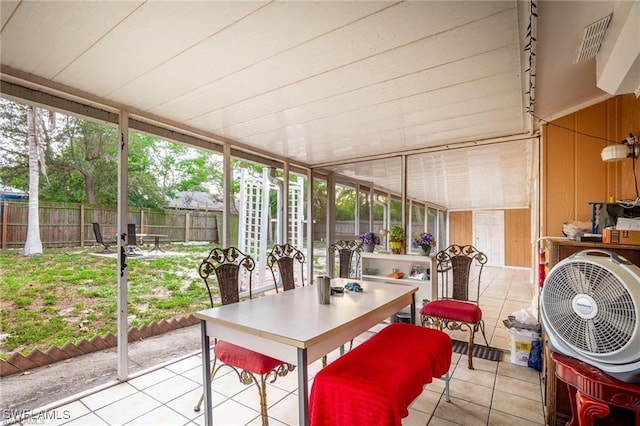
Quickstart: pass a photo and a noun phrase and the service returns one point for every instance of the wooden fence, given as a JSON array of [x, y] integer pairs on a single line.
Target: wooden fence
[[70, 224]]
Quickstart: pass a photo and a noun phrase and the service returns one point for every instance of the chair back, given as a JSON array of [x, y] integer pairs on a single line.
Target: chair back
[[281, 261], [132, 240], [97, 232], [348, 257], [455, 262], [225, 266]]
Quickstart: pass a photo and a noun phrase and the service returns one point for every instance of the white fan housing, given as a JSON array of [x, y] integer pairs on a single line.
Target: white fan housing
[[589, 310]]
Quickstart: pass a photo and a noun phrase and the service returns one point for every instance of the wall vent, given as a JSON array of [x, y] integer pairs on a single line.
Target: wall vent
[[592, 38]]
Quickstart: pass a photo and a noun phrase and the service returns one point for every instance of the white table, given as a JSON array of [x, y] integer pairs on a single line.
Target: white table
[[293, 327]]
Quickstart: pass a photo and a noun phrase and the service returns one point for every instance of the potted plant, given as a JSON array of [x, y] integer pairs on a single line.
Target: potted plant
[[425, 242], [396, 239], [369, 241]]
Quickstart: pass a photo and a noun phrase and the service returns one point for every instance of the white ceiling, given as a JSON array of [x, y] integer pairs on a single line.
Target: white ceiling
[[318, 84]]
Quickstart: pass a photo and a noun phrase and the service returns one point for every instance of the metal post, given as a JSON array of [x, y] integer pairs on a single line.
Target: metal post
[[121, 268], [226, 197], [331, 219], [303, 388], [286, 207], [310, 221], [206, 374], [404, 201]]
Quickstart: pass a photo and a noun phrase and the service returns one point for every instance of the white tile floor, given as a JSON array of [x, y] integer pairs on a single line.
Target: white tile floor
[[495, 393]]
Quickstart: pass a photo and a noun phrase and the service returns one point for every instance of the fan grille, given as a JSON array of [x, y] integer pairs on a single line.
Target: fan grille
[[612, 326]]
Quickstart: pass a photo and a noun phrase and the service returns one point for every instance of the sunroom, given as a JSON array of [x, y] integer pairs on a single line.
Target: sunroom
[[481, 123]]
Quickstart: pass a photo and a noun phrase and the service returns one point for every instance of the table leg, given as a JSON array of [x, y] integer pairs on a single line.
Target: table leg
[[413, 309], [303, 388], [156, 244], [574, 406], [589, 409], [206, 374]]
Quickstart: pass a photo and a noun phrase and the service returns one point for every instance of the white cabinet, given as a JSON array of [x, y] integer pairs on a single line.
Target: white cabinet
[[376, 267]]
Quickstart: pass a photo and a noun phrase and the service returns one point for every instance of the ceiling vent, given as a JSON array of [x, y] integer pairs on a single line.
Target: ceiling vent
[[592, 39]]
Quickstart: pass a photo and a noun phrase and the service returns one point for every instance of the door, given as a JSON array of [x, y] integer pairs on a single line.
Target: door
[[488, 229]]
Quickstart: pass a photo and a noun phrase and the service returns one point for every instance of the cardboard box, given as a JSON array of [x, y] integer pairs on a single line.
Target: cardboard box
[[614, 236], [628, 224]]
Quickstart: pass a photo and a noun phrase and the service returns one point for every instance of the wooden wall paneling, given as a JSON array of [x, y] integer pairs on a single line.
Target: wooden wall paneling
[[628, 114], [591, 172], [558, 191], [613, 169], [461, 227], [517, 237]]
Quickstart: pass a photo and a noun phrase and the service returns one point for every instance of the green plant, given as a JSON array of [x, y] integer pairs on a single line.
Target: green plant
[[396, 233]]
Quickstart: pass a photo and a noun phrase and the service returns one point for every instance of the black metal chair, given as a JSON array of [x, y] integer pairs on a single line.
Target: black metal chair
[[281, 261], [348, 252], [101, 240], [132, 241], [458, 310], [226, 267]]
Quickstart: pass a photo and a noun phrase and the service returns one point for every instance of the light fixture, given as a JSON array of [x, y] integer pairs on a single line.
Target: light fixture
[[627, 148]]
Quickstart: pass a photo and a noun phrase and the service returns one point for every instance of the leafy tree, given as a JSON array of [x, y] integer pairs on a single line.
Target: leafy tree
[[345, 203], [85, 161], [319, 200], [14, 158]]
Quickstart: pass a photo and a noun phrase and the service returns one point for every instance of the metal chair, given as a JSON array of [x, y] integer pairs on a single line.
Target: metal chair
[[132, 241], [100, 239], [281, 261], [457, 311], [348, 251], [226, 267]]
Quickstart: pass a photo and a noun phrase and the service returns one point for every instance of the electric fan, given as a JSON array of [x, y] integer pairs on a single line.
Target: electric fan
[[589, 310]]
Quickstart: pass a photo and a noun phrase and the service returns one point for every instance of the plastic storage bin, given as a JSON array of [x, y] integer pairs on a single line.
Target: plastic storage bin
[[402, 317], [521, 345]]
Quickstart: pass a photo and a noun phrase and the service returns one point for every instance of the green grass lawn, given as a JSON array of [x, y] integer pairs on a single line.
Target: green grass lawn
[[69, 294]]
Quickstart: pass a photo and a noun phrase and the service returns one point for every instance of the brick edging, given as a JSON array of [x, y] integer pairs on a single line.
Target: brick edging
[[18, 363]]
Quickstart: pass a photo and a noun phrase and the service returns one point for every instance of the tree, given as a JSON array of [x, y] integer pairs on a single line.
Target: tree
[[33, 245], [81, 158], [14, 158]]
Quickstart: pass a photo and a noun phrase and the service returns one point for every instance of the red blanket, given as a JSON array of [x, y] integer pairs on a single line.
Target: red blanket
[[374, 383]]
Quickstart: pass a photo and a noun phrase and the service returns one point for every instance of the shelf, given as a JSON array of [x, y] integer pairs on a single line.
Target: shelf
[[385, 263], [397, 257], [394, 280]]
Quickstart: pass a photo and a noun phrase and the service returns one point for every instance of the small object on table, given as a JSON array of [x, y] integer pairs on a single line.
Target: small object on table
[[353, 287], [337, 290], [396, 275], [324, 289]]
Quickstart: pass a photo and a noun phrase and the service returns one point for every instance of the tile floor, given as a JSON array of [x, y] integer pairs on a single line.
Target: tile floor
[[495, 393]]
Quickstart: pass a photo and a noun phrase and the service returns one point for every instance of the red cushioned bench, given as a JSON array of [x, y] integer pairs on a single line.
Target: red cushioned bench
[[374, 383]]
